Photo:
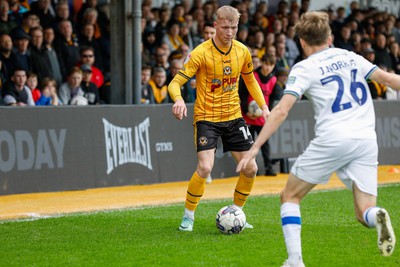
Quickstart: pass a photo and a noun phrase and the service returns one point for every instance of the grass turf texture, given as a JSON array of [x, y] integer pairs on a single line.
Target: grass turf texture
[[149, 236]]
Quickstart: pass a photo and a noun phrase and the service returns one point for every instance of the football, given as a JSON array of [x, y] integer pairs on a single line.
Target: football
[[254, 110], [230, 220]]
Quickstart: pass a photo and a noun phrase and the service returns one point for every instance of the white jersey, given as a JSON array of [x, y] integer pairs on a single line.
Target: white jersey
[[335, 81]]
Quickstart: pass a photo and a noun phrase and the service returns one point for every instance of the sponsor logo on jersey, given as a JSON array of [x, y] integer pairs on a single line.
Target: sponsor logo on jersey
[[227, 84], [291, 80]]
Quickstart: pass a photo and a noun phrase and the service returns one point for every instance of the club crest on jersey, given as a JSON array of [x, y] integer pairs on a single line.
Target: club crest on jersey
[[227, 70], [203, 141]]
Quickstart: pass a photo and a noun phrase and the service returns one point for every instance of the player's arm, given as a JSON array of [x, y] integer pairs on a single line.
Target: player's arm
[[179, 109], [255, 91], [275, 119], [389, 79]]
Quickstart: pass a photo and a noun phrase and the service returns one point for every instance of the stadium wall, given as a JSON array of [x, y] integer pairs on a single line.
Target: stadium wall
[[69, 148]]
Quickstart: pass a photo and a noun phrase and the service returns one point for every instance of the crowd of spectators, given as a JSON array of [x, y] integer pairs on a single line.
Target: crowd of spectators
[[51, 56], [171, 32], [49, 41]]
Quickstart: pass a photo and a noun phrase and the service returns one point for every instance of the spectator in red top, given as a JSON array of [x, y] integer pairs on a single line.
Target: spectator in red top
[[87, 57]]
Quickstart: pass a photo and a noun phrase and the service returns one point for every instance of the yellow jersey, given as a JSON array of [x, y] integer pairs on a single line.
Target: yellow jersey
[[217, 80]]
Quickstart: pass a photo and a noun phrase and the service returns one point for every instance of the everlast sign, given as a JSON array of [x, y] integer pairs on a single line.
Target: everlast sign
[[127, 145]]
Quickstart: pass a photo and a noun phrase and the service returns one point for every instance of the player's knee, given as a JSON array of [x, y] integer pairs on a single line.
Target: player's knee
[[250, 170], [204, 169]]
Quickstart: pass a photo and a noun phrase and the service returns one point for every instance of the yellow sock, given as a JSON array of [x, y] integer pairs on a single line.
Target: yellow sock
[[242, 190], [195, 191]]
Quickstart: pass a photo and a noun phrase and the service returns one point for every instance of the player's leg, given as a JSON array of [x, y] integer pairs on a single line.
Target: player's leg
[[196, 187], [361, 175], [245, 182], [368, 214], [205, 136], [291, 196]]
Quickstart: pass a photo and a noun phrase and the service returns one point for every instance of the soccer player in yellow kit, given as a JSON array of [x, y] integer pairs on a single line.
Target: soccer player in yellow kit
[[217, 64]]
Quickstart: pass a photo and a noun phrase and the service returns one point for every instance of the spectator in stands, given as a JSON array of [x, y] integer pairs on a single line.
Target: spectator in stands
[[72, 88], [32, 83], [292, 48], [54, 63], [63, 13], [149, 45], [382, 56], [159, 86], [172, 38], [7, 57], [161, 58], [67, 46], [147, 92], [369, 54], [395, 56], [161, 27], [45, 12], [29, 21], [90, 89], [87, 39], [178, 13], [48, 94], [87, 57], [17, 10], [21, 52], [40, 61], [343, 39], [186, 36], [258, 43], [242, 34], [281, 59], [281, 80], [6, 23], [15, 92], [102, 18], [90, 17]]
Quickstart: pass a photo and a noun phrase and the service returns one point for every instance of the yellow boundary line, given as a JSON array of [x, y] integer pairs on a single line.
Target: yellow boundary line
[[36, 205]]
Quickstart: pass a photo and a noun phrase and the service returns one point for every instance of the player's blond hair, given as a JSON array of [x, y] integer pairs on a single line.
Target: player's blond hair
[[228, 13], [313, 27]]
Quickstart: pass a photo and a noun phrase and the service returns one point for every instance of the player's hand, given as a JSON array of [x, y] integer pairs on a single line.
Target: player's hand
[[265, 111], [248, 156], [179, 109], [250, 116]]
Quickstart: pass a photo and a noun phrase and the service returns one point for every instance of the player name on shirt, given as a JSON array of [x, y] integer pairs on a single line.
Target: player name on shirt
[[336, 66]]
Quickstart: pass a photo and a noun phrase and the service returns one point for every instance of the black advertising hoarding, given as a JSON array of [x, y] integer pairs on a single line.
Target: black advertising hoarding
[[70, 148]]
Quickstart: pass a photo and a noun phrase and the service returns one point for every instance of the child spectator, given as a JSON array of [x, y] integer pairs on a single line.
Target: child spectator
[[49, 93], [32, 83], [72, 88]]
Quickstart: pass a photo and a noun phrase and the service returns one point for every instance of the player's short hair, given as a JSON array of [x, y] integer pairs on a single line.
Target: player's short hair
[[228, 12], [313, 27]]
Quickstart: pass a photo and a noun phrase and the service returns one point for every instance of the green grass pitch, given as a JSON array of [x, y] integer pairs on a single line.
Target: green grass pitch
[[149, 236]]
